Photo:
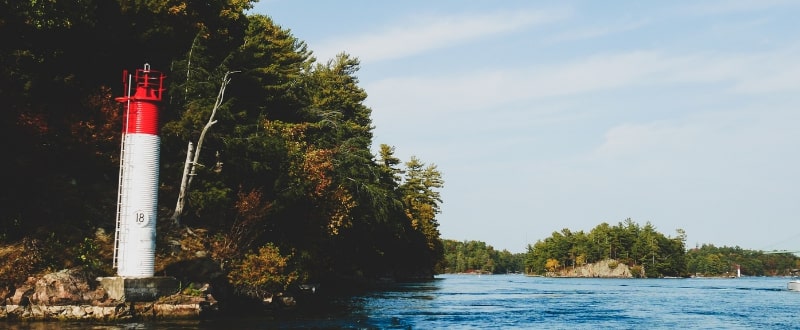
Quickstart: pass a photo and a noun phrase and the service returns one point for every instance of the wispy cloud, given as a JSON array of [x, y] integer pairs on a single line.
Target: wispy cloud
[[417, 35], [597, 31], [484, 88], [653, 138], [740, 73]]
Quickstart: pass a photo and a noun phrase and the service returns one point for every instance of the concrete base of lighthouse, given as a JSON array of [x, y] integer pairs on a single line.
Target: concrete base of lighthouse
[[139, 289]]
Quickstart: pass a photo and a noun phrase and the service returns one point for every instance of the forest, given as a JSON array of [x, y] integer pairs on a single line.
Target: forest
[[287, 188], [477, 257], [709, 260], [650, 253]]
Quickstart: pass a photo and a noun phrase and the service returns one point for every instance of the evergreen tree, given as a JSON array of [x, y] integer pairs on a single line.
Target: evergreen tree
[[421, 201]]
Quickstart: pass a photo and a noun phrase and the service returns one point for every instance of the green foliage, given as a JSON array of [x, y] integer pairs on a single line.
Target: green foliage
[[89, 256], [627, 242], [193, 290], [476, 256], [210, 198], [421, 202], [709, 260]]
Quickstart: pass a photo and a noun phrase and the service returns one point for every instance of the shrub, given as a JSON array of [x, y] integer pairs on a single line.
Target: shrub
[[637, 271], [263, 272], [95, 254]]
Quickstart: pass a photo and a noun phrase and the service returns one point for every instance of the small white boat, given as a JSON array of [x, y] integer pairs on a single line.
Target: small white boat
[[794, 285]]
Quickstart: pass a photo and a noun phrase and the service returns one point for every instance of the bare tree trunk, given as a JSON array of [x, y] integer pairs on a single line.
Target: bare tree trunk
[[190, 166], [176, 216]]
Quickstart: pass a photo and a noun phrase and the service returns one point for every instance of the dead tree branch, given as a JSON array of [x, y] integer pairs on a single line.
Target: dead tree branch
[[192, 156]]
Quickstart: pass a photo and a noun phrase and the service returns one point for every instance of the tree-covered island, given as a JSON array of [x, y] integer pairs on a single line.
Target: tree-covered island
[[649, 253], [642, 250], [284, 191]]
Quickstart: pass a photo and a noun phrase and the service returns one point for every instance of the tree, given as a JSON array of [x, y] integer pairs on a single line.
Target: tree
[[601, 242], [552, 265], [421, 201]]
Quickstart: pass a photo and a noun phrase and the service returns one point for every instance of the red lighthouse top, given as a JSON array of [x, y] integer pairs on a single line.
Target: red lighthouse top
[[149, 85], [141, 115]]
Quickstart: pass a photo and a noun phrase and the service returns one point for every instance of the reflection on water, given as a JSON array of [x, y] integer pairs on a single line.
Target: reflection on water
[[516, 301]]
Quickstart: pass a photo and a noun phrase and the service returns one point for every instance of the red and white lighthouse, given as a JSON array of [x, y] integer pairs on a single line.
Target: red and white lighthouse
[[135, 236]]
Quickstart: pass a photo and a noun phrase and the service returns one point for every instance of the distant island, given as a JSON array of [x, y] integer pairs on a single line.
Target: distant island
[[623, 250]]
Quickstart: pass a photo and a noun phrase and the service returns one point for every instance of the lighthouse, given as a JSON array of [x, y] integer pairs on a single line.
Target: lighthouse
[[137, 200]]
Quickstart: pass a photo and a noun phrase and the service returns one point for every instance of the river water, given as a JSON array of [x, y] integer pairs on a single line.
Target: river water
[[521, 302]]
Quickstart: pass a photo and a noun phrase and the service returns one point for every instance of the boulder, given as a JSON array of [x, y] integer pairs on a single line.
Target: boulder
[[605, 269], [65, 287]]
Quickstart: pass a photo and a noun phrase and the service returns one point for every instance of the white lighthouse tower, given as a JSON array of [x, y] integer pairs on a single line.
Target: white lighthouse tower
[[137, 200], [135, 237]]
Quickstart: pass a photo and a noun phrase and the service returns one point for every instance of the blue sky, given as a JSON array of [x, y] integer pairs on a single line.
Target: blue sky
[[543, 115]]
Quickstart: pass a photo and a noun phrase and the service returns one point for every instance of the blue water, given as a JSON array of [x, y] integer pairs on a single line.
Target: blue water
[[520, 302]]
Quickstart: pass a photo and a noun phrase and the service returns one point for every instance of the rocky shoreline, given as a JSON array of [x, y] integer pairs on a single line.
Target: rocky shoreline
[[77, 295], [608, 268], [121, 312], [73, 295]]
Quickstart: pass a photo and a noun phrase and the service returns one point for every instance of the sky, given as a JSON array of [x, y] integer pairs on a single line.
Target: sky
[[544, 115]]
